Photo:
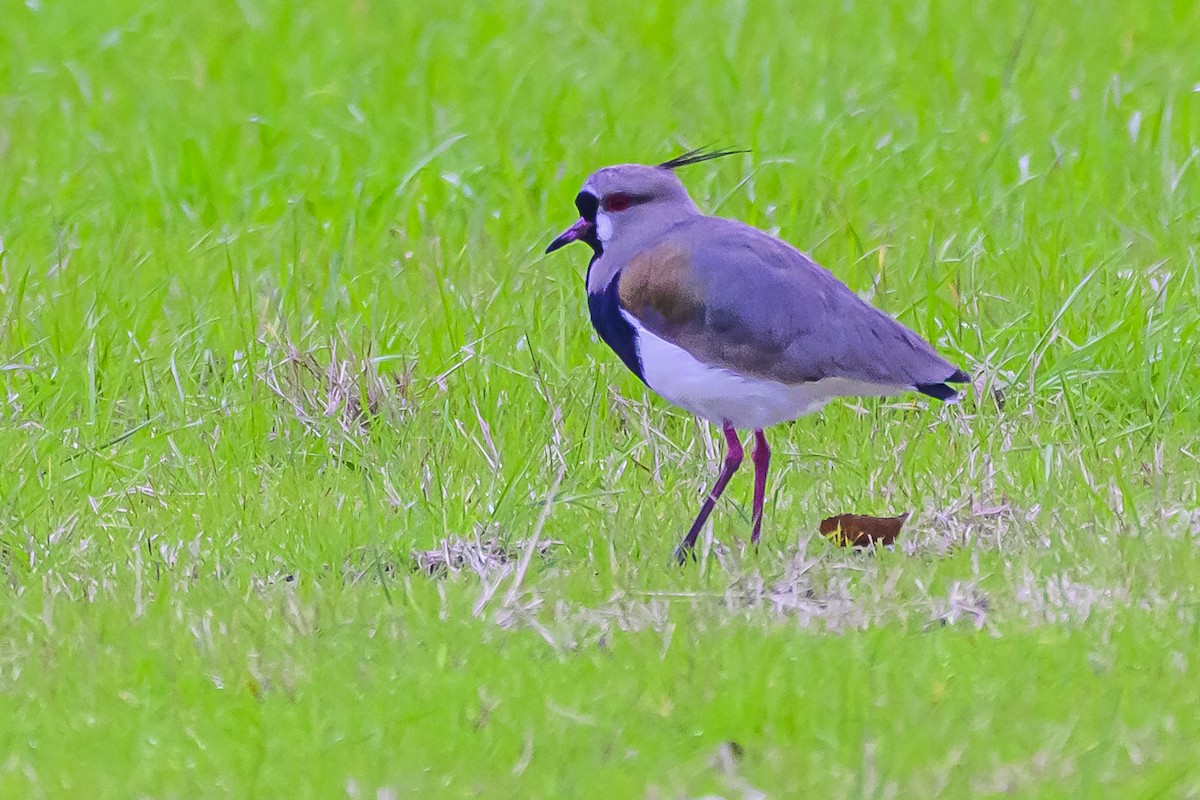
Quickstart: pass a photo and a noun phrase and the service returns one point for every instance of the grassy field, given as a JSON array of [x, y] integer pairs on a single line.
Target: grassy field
[[277, 339]]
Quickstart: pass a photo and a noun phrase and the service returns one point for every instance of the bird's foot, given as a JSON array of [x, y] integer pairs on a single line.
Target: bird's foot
[[684, 553]]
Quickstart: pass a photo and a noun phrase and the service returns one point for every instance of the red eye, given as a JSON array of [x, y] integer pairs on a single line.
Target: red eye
[[618, 201]]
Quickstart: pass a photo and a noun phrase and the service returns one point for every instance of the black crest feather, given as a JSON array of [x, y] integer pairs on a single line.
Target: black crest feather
[[698, 155]]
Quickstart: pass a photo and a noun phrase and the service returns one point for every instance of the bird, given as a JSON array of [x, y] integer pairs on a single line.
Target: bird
[[730, 323]]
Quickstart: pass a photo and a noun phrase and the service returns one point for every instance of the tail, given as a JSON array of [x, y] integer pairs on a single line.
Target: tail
[[943, 391]]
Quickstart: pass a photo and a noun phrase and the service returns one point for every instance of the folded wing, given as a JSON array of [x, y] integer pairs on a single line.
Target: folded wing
[[737, 298]]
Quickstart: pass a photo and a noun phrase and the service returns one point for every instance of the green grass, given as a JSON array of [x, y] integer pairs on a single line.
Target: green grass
[[209, 587]]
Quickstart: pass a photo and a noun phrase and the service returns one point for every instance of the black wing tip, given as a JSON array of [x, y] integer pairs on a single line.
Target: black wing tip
[[959, 376], [943, 391], [697, 156]]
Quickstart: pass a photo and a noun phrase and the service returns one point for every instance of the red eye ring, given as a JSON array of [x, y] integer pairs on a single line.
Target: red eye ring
[[617, 201]]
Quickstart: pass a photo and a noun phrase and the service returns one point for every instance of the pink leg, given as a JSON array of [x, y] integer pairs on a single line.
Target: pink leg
[[762, 460], [733, 460]]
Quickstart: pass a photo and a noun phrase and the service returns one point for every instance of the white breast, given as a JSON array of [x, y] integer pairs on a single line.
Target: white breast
[[720, 395]]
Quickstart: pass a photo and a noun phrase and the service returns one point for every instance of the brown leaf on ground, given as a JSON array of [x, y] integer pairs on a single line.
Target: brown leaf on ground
[[860, 530]]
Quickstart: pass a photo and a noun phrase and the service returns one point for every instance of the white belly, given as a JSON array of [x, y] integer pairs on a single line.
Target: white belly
[[720, 395]]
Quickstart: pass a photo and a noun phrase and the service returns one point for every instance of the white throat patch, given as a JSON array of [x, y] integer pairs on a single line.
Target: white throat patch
[[604, 227]]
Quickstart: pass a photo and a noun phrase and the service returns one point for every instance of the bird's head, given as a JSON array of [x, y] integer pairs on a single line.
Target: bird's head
[[627, 197]]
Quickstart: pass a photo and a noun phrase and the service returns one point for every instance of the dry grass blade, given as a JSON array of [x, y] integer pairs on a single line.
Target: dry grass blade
[[333, 383], [531, 545], [486, 557]]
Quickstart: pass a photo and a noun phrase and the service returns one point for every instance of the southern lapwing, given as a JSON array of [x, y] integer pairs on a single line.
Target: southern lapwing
[[729, 322]]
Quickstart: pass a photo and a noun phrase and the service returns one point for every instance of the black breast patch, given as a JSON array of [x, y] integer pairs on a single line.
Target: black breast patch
[[614, 329]]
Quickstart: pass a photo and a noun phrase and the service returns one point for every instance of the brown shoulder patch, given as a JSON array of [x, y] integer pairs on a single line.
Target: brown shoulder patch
[[658, 282]]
